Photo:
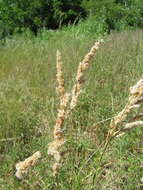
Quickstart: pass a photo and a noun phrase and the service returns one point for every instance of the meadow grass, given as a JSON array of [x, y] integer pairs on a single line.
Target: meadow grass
[[28, 109]]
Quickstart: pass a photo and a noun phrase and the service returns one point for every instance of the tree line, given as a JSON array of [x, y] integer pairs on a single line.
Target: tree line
[[19, 15]]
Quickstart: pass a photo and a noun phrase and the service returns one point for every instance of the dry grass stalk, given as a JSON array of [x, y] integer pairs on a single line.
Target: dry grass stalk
[[23, 167], [55, 146], [83, 66], [128, 127], [117, 128], [132, 125], [63, 111], [60, 78]]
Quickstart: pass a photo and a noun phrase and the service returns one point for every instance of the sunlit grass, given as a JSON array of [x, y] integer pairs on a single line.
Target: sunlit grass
[[28, 105]]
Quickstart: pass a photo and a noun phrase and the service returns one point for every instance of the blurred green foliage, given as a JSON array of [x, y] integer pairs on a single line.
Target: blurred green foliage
[[34, 15], [18, 15], [118, 14]]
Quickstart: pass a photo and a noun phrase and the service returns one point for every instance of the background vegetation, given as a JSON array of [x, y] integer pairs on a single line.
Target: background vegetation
[[28, 106], [28, 101], [20, 15]]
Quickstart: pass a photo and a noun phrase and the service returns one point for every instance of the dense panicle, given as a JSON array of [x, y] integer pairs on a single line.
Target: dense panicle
[[60, 78], [23, 167], [119, 125], [83, 66]]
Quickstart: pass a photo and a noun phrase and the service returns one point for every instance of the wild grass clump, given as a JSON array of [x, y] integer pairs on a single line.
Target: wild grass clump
[[29, 109], [64, 109], [68, 101], [63, 112]]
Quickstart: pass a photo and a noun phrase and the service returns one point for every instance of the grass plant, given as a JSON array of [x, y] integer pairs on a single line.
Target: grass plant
[[28, 109]]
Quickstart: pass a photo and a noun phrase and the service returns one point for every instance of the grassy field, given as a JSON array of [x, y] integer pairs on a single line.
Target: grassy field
[[28, 108]]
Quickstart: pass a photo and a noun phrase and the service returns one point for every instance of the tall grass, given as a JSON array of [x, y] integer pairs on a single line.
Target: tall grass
[[28, 107]]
